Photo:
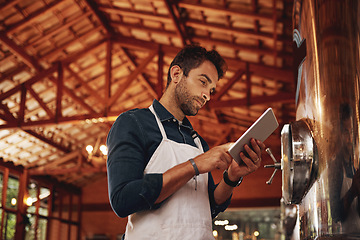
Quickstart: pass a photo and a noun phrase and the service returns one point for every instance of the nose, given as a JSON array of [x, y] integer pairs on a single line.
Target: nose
[[206, 97]]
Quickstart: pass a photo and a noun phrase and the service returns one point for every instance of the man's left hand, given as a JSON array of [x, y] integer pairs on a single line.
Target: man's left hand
[[251, 161]]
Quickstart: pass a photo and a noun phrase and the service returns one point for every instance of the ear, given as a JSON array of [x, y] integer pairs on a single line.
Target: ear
[[175, 73]]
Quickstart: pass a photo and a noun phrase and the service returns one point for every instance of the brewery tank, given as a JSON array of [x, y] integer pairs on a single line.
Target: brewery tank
[[320, 150]]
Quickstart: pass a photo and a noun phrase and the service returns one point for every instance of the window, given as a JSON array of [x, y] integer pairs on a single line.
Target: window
[[9, 188], [37, 211], [12, 193], [52, 209]]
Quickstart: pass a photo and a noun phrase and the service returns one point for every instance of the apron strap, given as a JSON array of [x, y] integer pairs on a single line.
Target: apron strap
[[198, 143], [163, 133], [161, 127]]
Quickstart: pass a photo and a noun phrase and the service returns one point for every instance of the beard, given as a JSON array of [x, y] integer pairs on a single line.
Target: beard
[[187, 103]]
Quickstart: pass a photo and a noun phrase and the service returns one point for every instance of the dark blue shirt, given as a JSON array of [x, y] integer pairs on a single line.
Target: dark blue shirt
[[131, 142]]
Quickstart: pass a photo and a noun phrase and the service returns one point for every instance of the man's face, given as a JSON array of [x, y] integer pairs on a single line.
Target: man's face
[[193, 91]]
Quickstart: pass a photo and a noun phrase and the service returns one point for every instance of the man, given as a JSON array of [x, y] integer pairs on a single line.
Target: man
[[345, 187], [159, 167]]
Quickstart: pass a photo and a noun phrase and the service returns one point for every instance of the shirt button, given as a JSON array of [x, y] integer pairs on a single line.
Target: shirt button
[[174, 120]]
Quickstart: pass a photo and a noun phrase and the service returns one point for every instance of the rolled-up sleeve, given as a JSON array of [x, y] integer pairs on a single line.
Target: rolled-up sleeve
[[215, 208], [129, 190]]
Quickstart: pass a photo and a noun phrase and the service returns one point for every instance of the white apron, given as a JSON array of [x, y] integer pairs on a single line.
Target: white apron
[[184, 215]]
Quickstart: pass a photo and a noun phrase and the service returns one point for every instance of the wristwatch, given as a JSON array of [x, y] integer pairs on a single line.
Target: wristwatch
[[229, 182]]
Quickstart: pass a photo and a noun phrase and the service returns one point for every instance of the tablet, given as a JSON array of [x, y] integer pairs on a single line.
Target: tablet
[[261, 129]]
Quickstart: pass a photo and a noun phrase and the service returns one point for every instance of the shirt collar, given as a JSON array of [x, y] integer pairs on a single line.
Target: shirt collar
[[165, 115]]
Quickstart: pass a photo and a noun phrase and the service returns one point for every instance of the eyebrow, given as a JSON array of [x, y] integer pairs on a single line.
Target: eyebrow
[[207, 78], [209, 81]]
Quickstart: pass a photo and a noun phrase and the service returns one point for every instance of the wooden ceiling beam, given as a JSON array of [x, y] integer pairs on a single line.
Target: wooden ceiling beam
[[125, 12], [72, 95], [151, 30], [29, 82], [12, 72], [64, 26], [218, 10], [270, 72], [275, 35], [71, 170], [222, 29], [255, 100], [8, 4], [77, 119], [248, 85], [132, 77], [21, 112], [93, 93], [238, 74], [34, 16], [47, 141], [59, 91], [100, 16], [180, 28], [19, 52], [141, 45], [241, 47], [41, 102], [53, 55], [108, 71], [55, 163], [9, 117], [87, 50], [160, 73], [146, 83]]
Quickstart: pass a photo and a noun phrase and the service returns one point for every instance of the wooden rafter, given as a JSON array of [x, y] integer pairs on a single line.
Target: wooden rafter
[[229, 84], [131, 77], [280, 97], [34, 16], [100, 16], [19, 52], [144, 81], [222, 10], [180, 28]]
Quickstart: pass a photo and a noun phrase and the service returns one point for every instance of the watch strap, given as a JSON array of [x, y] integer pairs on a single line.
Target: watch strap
[[229, 182]]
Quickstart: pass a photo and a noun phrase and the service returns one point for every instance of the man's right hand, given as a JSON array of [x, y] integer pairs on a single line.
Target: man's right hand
[[215, 158]]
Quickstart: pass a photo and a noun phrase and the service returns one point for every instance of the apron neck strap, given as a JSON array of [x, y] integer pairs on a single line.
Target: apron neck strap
[[163, 133], [161, 127]]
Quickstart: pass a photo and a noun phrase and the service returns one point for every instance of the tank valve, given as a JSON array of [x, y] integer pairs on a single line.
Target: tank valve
[[276, 166]]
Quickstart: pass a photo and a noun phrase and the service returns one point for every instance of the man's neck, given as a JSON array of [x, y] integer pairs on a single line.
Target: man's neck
[[171, 105]]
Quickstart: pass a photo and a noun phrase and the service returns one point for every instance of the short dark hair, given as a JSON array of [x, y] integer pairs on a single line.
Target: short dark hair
[[192, 56]]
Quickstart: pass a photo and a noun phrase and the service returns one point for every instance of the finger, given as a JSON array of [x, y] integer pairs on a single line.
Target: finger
[[256, 148], [251, 166], [261, 145], [253, 155], [226, 157]]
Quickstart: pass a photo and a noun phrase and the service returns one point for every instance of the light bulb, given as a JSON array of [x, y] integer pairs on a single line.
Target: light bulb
[[103, 149], [89, 149]]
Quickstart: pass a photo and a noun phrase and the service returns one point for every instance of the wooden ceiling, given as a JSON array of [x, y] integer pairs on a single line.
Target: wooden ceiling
[[69, 68]]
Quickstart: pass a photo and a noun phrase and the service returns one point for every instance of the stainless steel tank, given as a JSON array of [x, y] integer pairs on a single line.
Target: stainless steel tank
[[320, 150]]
